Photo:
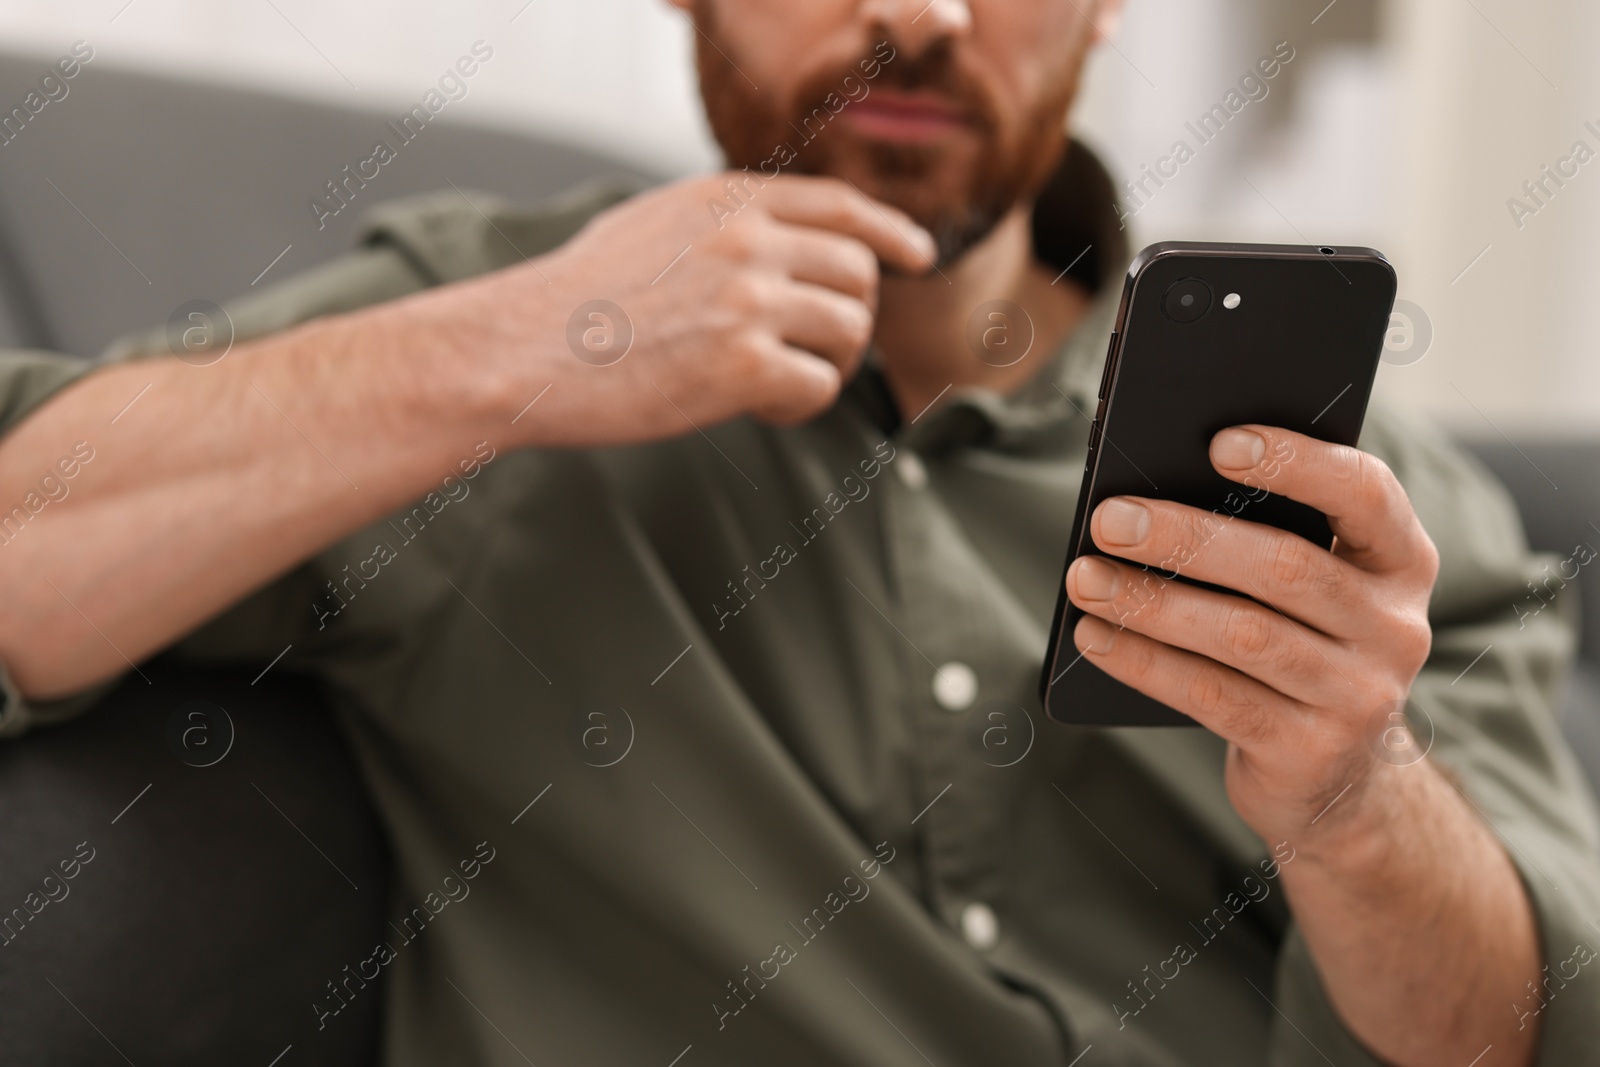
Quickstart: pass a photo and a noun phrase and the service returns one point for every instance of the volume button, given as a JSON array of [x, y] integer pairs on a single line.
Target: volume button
[[1095, 431], [1105, 375], [1095, 428]]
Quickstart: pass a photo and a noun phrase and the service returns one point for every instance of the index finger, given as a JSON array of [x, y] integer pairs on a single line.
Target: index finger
[[830, 204], [1366, 506]]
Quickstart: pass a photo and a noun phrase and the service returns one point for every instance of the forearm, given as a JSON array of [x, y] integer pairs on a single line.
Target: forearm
[[217, 479], [1420, 927]]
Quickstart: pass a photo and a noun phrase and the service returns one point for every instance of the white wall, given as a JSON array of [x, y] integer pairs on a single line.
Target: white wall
[[611, 72], [1410, 142], [1488, 101]]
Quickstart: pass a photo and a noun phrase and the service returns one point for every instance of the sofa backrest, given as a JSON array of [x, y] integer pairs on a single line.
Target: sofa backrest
[[133, 194]]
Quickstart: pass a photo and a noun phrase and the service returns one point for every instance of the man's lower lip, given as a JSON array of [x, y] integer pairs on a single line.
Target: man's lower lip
[[891, 125]]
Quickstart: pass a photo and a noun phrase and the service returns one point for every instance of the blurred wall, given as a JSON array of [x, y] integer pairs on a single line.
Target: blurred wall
[[1402, 124]]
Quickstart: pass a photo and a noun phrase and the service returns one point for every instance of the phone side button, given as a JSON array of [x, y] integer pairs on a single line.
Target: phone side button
[[1105, 375]]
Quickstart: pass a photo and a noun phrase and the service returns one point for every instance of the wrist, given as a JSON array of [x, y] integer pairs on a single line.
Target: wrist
[[1410, 885], [1372, 836]]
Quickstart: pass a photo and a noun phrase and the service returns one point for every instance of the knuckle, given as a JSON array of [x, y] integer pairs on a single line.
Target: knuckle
[[860, 268], [1139, 597], [1250, 722], [744, 361], [1299, 661], [752, 352], [857, 321], [1179, 534], [1139, 658], [1240, 715], [739, 244], [1291, 565], [1429, 555], [749, 294], [1375, 483], [1415, 638], [1247, 633], [1207, 693]]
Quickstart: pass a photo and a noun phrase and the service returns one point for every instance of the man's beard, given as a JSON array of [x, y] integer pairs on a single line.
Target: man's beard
[[956, 194]]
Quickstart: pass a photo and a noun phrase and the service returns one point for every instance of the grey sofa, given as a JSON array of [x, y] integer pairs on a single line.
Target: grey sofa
[[175, 945], [1556, 484], [133, 194]]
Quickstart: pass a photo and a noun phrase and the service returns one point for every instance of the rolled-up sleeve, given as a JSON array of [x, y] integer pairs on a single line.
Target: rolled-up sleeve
[[28, 379]]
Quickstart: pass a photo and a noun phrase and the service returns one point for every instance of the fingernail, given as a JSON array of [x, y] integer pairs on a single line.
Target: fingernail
[[925, 243], [1094, 635], [1237, 449], [1122, 522], [1094, 579]]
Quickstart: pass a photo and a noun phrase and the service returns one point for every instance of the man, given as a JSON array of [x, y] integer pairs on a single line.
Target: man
[[675, 566]]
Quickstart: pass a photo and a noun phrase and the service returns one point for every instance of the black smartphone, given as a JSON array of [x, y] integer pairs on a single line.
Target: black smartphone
[[1210, 336]]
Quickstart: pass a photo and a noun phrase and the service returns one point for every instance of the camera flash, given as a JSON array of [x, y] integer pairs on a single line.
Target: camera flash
[[1230, 301]]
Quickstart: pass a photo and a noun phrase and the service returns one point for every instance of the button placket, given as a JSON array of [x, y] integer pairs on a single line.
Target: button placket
[[949, 645]]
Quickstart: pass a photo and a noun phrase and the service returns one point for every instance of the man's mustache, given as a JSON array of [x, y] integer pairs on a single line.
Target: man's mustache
[[936, 70]]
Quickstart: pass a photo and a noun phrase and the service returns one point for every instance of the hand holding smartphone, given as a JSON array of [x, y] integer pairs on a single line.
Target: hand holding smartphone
[[1210, 336]]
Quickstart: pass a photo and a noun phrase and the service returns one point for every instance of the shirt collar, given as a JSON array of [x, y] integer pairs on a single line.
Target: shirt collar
[[1077, 229]]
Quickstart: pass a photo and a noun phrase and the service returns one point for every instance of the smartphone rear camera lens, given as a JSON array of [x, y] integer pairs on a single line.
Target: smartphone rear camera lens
[[1187, 300]]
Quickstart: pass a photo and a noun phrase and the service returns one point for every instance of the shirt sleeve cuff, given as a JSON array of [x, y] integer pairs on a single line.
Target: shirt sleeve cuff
[[1306, 1031], [1564, 887]]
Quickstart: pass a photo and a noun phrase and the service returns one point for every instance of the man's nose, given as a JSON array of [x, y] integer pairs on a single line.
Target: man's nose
[[919, 23]]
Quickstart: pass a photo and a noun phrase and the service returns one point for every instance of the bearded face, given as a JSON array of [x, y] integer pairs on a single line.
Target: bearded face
[[926, 131]]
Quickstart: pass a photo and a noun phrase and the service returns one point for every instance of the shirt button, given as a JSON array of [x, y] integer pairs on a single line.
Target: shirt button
[[911, 471], [955, 686], [980, 926]]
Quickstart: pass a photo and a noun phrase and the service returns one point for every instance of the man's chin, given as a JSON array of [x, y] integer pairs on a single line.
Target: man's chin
[[955, 217], [957, 226]]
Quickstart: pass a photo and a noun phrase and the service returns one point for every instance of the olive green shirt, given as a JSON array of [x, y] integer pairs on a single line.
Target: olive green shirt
[[748, 722]]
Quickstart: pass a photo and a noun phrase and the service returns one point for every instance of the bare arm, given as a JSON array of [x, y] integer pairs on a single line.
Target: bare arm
[[1421, 928], [220, 478]]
